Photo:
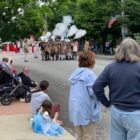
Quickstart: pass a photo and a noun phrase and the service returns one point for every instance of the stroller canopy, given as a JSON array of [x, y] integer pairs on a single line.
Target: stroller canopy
[[6, 67]]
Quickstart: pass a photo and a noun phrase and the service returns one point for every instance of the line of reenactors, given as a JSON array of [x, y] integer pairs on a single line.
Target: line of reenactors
[[58, 50]]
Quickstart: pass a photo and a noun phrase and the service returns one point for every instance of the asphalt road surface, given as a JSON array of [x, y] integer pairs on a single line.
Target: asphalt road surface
[[57, 73]]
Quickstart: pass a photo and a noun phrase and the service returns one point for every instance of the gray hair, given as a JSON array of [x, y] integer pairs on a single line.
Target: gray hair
[[128, 50]]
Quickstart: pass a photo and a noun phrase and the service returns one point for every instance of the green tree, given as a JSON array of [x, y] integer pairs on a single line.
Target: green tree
[[19, 18], [94, 17], [132, 11]]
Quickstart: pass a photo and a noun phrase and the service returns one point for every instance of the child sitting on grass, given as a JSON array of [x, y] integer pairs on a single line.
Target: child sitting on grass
[[43, 121]]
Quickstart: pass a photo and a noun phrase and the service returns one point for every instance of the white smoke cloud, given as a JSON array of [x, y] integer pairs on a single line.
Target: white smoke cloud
[[53, 37], [62, 39], [67, 40], [42, 38], [47, 36], [67, 20], [61, 29], [72, 31], [80, 33]]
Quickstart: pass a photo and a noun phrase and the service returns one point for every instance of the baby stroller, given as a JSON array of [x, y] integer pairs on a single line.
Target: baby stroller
[[12, 87]]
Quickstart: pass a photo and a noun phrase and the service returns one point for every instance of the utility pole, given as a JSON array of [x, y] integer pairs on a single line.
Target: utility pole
[[123, 15]]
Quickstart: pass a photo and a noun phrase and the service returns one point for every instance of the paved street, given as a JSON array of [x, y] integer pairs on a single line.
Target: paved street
[[57, 73]]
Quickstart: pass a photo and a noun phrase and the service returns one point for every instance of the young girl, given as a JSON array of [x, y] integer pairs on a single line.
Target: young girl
[[39, 96], [43, 122]]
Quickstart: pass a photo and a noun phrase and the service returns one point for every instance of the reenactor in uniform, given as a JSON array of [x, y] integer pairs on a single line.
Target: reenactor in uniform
[[60, 50], [47, 50], [42, 46], [69, 51], [63, 50], [26, 50], [52, 51], [74, 50], [57, 49]]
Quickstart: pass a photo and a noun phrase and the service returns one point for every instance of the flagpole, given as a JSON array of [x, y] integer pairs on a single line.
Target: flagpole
[[123, 15]]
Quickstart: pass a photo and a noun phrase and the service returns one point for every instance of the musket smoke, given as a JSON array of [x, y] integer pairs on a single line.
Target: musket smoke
[[80, 33], [72, 31], [61, 29]]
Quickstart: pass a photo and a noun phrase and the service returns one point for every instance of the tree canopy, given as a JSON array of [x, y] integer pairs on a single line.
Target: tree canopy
[[19, 18]]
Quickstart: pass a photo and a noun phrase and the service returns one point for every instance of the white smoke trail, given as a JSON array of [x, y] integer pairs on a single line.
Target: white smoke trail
[[67, 20], [67, 40], [72, 31], [42, 38], [47, 36], [53, 38], [61, 29], [80, 33]]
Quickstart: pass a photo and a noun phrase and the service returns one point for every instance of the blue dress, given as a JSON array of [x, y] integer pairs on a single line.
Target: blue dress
[[44, 125]]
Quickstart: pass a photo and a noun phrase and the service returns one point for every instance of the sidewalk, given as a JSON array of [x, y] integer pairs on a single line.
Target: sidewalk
[[14, 124]]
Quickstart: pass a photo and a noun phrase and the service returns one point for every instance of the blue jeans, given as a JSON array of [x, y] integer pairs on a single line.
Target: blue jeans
[[124, 125]]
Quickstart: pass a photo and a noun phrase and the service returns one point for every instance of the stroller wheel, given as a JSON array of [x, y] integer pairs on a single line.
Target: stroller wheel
[[28, 98], [6, 99]]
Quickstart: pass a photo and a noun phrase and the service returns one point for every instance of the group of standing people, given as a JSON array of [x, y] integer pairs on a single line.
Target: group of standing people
[[12, 47], [59, 50], [87, 92], [25, 46]]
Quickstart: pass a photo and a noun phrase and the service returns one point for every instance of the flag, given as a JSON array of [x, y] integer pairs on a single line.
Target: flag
[[111, 22]]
